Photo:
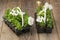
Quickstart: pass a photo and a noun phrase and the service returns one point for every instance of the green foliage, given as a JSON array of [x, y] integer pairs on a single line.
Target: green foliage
[[16, 20], [50, 23], [39, 8], [41, 14], [7, 13], [25, 20], [49, 20], [42, 24]]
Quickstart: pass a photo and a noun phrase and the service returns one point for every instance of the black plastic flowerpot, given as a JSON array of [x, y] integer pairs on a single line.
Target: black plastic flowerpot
[[40, 30], [48, 29], [17, 32]]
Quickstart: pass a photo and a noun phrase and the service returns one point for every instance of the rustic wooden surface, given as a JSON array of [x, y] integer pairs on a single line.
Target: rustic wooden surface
[[30, 6]]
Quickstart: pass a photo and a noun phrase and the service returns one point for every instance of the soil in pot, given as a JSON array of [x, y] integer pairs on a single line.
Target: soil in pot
[[40, 30], [48, 29]]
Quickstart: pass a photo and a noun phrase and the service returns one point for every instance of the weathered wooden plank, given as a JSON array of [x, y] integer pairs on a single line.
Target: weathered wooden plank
[[56, 14], [7, 33], [42, 36], [0, 22], [30, 6], [25, 36], [0, 28], [53, 35], [2, 8], [34, 35], [11, 4], [57, 19], [58, 30]]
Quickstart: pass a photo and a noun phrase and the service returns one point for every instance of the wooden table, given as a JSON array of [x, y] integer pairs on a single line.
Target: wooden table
[[30, 6]]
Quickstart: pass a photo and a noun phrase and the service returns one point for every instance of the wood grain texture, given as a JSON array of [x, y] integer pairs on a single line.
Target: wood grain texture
[[53, 35], [42, 36], [30, 6], [56, 13], [7, 33]]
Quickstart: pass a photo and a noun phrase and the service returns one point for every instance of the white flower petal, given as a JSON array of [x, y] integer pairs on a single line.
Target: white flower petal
[[46, 6], [13, 10], [13, 13], [47, 3], [39, 19], [42, 18], [30, 21], [10, 12], [19, 9], [22, 13], [50, 7]]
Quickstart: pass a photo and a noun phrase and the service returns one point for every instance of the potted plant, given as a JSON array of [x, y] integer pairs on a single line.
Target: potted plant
[[49, 21], [44, 21], [40, 23], [17, 20]]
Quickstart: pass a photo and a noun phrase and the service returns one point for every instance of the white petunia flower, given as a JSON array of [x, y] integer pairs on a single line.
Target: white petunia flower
[[39, 19], [30, 21], [13, 13], [47, 5], [13, 10], [19, 9], [42, 18], [22, 13], [50, 7]]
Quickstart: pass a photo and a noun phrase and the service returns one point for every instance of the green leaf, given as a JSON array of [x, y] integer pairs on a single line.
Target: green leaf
[[39, 8], [25, 20]]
